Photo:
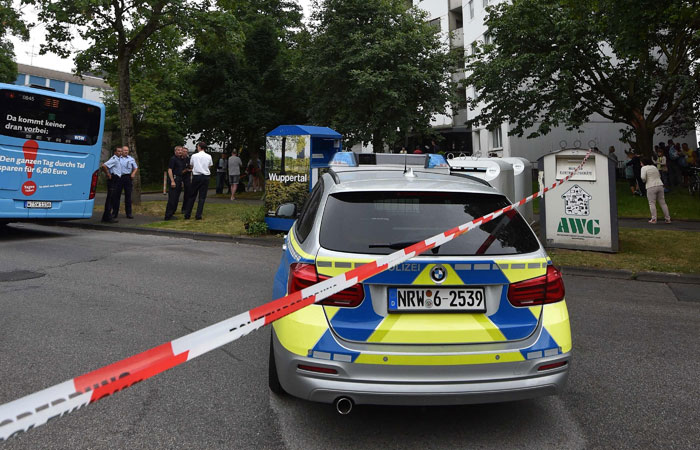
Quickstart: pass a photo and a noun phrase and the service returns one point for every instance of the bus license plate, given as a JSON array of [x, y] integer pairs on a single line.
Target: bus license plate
[[470, 299], [35, 204]]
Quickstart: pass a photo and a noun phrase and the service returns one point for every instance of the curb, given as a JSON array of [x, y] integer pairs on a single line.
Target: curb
[[653, 277], [262, 242]]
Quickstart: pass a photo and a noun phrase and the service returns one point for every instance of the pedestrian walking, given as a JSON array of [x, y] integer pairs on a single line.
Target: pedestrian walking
[[234, 172], [176, 166], [111, 168], [221, 178], [655, 189], [201, 162], [126, 183]]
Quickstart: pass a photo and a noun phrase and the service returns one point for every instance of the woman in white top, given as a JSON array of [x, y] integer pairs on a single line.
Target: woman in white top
[[655, 189]]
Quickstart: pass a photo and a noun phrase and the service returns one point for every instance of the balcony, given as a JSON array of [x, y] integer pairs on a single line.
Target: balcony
[[457, 38], [458, 76], [455, 4]]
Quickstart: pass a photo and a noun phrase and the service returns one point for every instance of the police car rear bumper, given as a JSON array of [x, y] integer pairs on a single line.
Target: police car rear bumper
[[419, 385]]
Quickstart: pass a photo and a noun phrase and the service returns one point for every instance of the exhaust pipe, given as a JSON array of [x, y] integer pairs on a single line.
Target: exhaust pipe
[[343, 405]]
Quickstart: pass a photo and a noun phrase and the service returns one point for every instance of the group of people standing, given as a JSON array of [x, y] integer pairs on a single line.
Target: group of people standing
[[668, 167], [191, 174], [229, 173], [120, 170]]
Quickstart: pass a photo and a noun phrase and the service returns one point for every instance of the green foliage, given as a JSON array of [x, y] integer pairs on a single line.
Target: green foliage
[[557, 62], [243, 82], [373, 66], [254, 221], [13, 24], [277, 193]]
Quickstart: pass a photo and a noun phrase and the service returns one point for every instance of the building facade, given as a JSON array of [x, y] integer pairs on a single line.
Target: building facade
[[463, 25], [87, 87]]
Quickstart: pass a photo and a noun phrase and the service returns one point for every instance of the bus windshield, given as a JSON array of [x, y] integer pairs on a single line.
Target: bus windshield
[[40, 117]]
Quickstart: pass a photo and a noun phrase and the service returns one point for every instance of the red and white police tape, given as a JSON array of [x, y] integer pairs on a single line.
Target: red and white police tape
[[36, 409]]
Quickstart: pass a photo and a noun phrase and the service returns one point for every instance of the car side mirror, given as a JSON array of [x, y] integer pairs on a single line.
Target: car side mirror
[[287, 210]]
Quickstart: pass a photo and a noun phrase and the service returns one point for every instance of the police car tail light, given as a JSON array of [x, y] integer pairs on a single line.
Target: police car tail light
[[93, 185], [303, 275], [548, 288]]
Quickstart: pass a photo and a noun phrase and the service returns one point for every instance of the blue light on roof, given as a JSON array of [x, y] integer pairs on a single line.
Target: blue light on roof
[[347, 159], [436, 161]]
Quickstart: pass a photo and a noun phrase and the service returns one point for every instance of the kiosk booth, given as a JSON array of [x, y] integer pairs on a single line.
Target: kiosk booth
[[581, 214], [295, 158]]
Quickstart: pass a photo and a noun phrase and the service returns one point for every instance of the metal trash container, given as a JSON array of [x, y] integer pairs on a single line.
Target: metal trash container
[[522, 180], [497, 172], [580, 214]]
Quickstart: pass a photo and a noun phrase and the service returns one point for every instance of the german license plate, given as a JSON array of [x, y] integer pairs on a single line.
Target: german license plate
[[35, 204], [445, 299]]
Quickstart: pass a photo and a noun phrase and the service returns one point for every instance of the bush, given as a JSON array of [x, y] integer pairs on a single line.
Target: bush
[[254, 221], [277, 193]]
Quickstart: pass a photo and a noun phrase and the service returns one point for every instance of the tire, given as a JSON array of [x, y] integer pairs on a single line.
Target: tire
[[273, 380]]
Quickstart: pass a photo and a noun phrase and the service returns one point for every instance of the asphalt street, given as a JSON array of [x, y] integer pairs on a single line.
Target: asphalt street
[[74, 300]]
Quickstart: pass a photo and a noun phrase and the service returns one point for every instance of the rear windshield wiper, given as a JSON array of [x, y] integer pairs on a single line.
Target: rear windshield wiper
[[394, 245], [400, 245]]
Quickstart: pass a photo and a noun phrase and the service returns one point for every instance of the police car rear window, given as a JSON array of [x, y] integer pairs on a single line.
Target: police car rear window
[[383, 222]]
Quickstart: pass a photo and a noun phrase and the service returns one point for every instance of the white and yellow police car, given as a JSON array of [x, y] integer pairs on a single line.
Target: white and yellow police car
[[479, 319]]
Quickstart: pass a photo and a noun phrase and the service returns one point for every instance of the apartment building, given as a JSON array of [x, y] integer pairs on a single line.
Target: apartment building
[[462, 22]]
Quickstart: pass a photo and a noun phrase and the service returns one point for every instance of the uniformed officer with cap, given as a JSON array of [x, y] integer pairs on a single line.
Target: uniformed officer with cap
[[112, 169], [128, 170]]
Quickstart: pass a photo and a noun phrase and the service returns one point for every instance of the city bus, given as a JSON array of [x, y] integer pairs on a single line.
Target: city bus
[[50, 147]]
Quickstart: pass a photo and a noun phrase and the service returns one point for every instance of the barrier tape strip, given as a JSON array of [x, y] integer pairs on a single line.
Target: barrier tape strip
[[37, 409]]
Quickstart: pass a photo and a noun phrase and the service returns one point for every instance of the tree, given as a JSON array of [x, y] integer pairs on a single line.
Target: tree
[[244, 77], [117, 31], [157, 84], [375, 67], [12, 23], [558, 62]]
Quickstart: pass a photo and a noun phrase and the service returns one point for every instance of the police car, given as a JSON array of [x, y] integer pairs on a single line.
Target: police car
[[479, 319]]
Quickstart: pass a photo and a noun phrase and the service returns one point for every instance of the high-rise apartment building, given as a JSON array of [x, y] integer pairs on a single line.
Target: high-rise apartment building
[[462, 23]]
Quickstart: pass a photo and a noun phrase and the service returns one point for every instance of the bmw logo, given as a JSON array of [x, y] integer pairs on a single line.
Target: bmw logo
[[438, 273]]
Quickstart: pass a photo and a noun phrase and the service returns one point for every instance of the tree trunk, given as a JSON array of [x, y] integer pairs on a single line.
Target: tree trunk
[[644, 138], [377, 142], [126, 118]]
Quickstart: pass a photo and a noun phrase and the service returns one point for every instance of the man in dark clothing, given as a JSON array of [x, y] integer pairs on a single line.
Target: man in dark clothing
[[176, 165], [186, 177]]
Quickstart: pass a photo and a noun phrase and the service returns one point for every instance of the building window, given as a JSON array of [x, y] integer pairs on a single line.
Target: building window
[[496, 138], [58, 86], [39, 81], [75, 89], [20, 79], [473, 46], [488, 39], [435, 23], [471, 9]]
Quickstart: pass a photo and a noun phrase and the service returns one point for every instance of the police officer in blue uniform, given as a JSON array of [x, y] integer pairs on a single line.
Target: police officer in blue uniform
[[128, 171], [112, 169]]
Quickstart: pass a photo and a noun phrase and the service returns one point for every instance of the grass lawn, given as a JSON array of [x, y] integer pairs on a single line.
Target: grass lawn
[[641, 250], [219, 218]]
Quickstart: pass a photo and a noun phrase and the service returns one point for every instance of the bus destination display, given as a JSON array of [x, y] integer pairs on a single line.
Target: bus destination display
[[43, 118]]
